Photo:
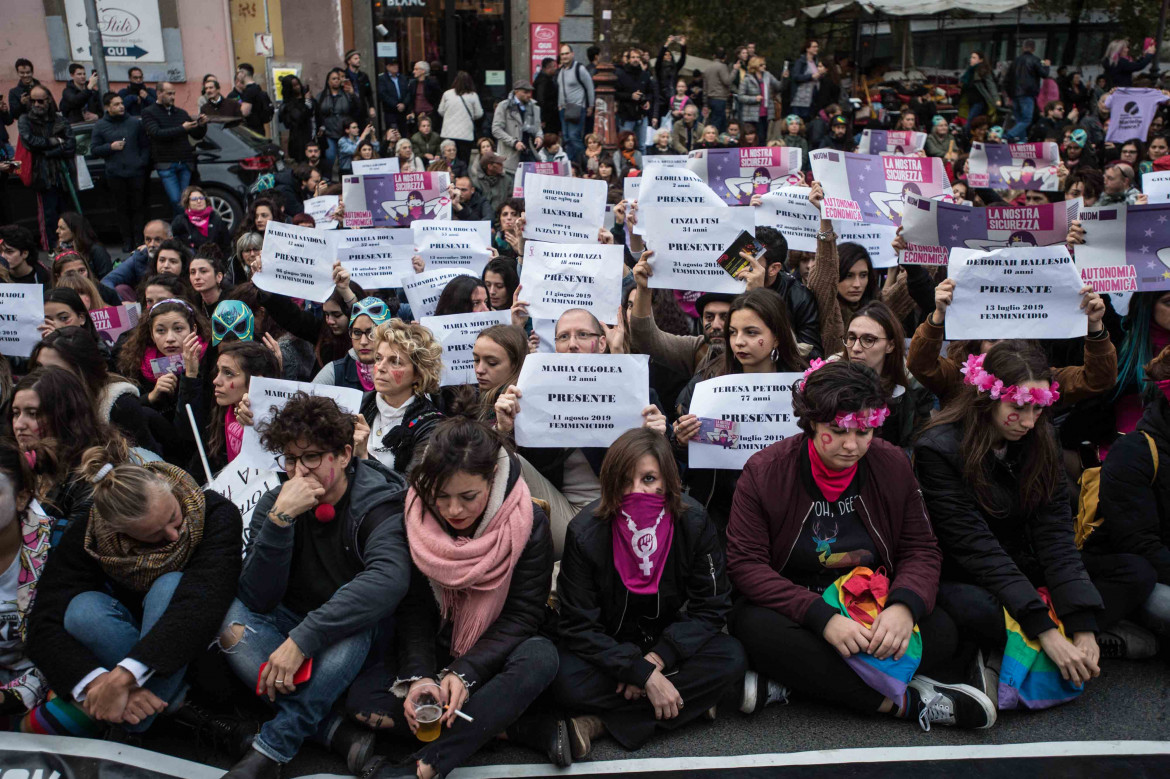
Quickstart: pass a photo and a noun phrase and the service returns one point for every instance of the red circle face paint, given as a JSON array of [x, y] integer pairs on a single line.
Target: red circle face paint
[[1012, 417], [826, 439], [760, 342]]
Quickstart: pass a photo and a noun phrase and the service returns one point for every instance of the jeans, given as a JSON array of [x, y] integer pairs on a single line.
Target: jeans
[[1022, 109], [495, 703], [789, 653], [573, 134], [331, 151], [130, 207], [306, 712], [1156, 610], [110, 631], [718, 116], [701, 679], [975, 110], [805, 112], [638, 128], [175, 179]]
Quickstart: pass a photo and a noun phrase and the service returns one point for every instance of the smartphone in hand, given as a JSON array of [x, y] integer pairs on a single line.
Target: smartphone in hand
[[303, 674]]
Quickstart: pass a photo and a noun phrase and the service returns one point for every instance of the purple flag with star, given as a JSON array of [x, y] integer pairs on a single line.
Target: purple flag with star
[[1126, 248], [395, 200], [869, 188], [891, 142], [737, 174], [930, 228], [1014, 166]]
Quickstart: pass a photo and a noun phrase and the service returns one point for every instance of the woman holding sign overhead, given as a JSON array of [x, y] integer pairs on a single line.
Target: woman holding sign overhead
[[356, 369], [759, 340], [830, 545]]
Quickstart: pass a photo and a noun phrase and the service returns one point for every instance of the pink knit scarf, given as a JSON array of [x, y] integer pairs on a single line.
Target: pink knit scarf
[[200, 219], [472, 574]]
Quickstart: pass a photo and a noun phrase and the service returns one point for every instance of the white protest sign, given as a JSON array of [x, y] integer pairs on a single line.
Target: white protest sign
[[563, 210], [375, 236], [456, 333], [877, 240], [1156, 185], [423, 289], [377, 267], [267, 397], [245, 487], [1015, 293], [755, 409], [452, 235], [557, 277], [787, 209], [471, 260], [668, 186], [322, 210], [688, 241], [297, 262], [22, 308], [631, 187], [546, 334], [572, 400], [665, 160], [376, 167]]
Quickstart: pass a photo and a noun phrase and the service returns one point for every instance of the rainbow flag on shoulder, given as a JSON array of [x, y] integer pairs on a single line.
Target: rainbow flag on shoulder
[[1028, 679], [861, 595]]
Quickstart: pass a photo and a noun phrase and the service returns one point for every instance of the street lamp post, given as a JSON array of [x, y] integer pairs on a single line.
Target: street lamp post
[[605, 84]]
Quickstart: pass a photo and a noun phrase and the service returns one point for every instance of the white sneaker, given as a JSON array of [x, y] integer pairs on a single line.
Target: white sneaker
[[759, 692]]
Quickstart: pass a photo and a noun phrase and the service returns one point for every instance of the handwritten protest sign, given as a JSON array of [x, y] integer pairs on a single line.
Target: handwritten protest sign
[[891, 142], [1008, 292], [557, 277], [383, 166], [541, 168], [1127, 248], [297, 262], [423, 289], [456, 333], [22, 308], [688, 241], [395, 200], [244, 487], [377, 267], [572, 400], [931, 227], [563, 210], [1014, 166], [737, 174], [268, 397], [322, 210], [869, 188], [112, 321], [757, 405]]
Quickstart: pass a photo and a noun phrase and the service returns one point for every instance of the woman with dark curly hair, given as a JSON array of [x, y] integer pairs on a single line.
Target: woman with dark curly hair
[[815, 516]]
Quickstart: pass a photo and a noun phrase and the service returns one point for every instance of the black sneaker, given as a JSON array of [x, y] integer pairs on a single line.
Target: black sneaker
[[231, 735], [354, 743], [759, 691], [957, 705], [1127, 641], [543, 732]]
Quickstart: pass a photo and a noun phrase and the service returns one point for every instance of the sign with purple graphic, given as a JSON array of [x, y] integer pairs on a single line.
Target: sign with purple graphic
[[1014, 166], [1131, 110], [930, 227], [543, 168], [737, 174], [395, 200], [891, 142], [1126, 248], [869, 187]]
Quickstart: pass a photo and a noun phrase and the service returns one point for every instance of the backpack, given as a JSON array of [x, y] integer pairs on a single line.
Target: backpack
[[264, 110], [1088, 519]]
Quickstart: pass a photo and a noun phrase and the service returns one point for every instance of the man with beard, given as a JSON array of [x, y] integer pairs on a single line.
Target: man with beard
[[637, 98], [315, 161], [121, 140], [133, 269], [171, 130], [802, 307], [48, 138], [838, 138]]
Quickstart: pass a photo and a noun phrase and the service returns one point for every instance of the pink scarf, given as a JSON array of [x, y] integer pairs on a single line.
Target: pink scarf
[[471, 574], [201, 219], [365, 375], [831, 483], [233, 433], [642, 532]]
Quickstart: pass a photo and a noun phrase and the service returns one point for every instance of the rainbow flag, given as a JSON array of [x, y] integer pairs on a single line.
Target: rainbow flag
[[861, 595], [1028, 679]]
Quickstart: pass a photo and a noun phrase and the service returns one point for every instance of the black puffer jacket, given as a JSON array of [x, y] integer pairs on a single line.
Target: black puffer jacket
[[404, 439], [1135, 494], [594, 600], [49, 139], [1009, 555], [423, 638]]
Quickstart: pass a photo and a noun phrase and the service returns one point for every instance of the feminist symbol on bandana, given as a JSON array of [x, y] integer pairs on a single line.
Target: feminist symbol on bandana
[[644, 542]]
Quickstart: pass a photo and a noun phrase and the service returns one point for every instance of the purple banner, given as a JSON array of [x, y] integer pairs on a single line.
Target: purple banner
[[1140, 234], [1014, 166], [737, 174], [930, 227], [891, 142], [869, 188], [395, 200]]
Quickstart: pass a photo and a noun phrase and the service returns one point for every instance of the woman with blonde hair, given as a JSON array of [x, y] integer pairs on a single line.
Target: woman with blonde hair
[[398, 415], [757, 90]]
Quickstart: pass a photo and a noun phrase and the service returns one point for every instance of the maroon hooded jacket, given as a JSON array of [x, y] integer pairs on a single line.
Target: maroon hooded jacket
[[773, 501]]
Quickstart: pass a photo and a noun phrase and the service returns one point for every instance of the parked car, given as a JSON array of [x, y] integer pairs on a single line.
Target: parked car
[[230, 159]]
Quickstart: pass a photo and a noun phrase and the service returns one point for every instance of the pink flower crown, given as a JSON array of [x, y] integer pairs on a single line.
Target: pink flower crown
[[862, 420], [984, 381], [812, 366]]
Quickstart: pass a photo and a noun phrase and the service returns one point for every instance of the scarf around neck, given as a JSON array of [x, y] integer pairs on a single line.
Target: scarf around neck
[[365, 375], [471, 574], [201, 219], [831, 483], [642, 533], [233, 433], [136, 565]]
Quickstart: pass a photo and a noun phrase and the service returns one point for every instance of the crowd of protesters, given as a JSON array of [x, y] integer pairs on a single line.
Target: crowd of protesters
[[406, 560]]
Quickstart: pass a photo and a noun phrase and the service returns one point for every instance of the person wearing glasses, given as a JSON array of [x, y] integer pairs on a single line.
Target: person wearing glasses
[[356, 369], [198, 223], [326, 561], [46, 134], [568, 479], [874, 337]]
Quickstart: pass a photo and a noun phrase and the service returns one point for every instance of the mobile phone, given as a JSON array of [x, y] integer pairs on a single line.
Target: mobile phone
[[303, 674]]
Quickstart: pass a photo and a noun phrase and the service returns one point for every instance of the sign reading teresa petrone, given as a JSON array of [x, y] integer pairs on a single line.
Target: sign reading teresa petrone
[[572, 400]]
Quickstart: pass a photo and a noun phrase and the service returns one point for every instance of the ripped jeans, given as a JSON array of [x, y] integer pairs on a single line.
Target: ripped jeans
[[308, 712]]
